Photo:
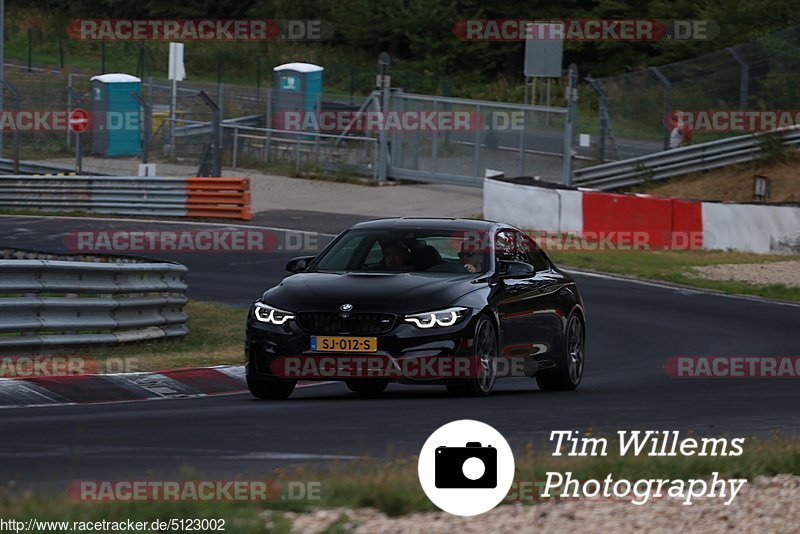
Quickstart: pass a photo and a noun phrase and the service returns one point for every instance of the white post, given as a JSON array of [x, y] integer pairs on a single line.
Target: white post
[[172, 107]]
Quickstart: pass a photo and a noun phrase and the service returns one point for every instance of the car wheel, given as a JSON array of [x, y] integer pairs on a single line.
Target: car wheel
[[569, 371], [270, 389], [486, 352], [369, 387]]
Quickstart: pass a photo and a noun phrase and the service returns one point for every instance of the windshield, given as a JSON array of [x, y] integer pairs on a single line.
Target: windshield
[[385, 250]]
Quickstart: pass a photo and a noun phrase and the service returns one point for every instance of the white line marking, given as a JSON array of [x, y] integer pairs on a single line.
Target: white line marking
[[157, 221], [679, 288], [185, 397]]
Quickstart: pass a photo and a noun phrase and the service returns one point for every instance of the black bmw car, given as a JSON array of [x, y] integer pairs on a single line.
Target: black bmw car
[[456, 302]]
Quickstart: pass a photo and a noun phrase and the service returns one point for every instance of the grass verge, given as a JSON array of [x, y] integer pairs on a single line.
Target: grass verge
[[216, 337], [392, 486], [676, 267]]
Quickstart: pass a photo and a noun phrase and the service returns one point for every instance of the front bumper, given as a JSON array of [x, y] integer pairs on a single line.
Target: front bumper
[[405, 354]]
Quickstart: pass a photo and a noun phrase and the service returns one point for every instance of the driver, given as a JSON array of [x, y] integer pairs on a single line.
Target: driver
[[396, 256], [473, 259]]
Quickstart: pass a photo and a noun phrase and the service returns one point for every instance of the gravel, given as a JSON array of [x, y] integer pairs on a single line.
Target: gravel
[[765, 504], [778, 272]]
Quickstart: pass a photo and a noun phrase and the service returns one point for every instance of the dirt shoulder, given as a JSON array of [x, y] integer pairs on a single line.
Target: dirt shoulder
[[766, 504], [780, 272]]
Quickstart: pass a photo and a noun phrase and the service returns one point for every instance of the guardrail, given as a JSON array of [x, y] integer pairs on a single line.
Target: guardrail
[[675, 162], [25, 167], [54, 303], [129, 195]]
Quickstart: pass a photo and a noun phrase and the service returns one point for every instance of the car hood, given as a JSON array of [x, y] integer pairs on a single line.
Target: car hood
[[370, 292]]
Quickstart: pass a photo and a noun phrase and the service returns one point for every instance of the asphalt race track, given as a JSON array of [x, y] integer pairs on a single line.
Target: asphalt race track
[[632, 329]]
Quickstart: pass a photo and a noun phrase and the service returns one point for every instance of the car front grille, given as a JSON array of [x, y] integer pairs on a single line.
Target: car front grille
[[356, 323]]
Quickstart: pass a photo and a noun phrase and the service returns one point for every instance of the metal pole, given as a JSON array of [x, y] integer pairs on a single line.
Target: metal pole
[[744, 77], [569, 126], [477, 156], [217, 140], [383, 152], [215, 134], [15, 97], [602, 110], [258, 77], [268, 136], [521, 163], [2, 60], [172, 110], [435, 140], [78, 153], [547, 115], [69, 107], [667, 102], [147, 126], [78, 135], [16, 134], [235, 146]]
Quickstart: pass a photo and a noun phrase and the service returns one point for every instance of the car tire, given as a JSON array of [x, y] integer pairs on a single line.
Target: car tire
[[486, 350], [568, 372], [367, 387], [270, 389]]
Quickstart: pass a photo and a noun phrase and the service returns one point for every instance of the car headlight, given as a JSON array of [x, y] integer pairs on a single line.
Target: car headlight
[[447, 317], [268, 314]]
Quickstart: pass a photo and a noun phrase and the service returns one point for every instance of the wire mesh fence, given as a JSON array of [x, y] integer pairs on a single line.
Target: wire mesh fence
[[763, 74]]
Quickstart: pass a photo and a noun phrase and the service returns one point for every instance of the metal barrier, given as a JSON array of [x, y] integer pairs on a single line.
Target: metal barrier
[[675, 162], [54, 303], [130, 195]]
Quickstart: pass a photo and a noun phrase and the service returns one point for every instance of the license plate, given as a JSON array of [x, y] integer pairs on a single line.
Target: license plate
[[344, 344]]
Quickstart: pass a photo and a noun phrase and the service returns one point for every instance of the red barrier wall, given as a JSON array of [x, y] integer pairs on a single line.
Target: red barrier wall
[[657, 223]]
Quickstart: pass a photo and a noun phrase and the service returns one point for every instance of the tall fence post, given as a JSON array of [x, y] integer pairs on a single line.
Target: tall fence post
[[216, 147], [603, 116], [69, 106], [569, 123], [78, 135], [744, 77], [15, 96], [147, 126], [667, 102], [268, 136], [173, 111]]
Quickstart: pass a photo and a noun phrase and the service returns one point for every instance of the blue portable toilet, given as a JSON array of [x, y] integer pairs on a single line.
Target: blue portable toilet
[[298, 87], [116, 125]]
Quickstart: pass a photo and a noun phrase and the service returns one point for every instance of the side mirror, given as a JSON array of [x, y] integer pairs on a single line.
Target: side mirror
[[515, 269], [298, 265]]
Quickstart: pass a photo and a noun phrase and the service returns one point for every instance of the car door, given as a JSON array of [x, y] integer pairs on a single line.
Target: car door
[[527, 307]]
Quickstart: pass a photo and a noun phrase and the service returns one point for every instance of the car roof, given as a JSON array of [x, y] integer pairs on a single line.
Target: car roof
[[432, 223]]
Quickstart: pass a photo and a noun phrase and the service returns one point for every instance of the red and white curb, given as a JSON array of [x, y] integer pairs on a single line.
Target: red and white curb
[[124, 387]]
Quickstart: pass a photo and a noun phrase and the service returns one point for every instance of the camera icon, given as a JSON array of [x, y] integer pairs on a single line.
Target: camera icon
[[473, 466]]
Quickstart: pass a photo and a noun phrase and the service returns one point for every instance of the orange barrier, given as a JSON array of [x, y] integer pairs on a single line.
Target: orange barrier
[[226, 198]]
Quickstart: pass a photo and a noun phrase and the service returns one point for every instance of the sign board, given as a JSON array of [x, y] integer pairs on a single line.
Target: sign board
[[78, 120], [544, 49], [176, 70]]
